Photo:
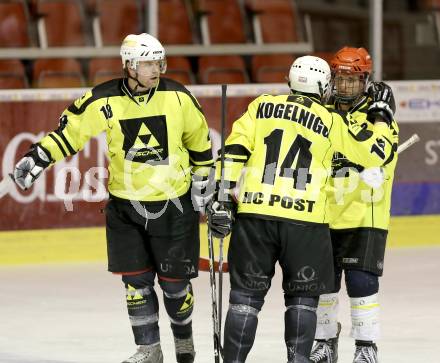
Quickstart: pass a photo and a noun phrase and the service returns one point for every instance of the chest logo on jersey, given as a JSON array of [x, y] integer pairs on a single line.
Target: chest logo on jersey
[[145, 139]]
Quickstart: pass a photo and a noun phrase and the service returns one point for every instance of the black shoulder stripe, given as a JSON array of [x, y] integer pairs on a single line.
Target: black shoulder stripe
[[167, 84], [237, 149], [200, 156], [343, 114], [69, 147], [58, 144], [107, 89], [303, 100]]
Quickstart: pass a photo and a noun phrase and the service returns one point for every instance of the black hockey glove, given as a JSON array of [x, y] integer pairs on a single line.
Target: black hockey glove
[[220, 217], [383, 104], [30, 167]]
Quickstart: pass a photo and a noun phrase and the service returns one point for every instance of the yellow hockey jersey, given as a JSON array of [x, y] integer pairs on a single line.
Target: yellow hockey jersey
[[154, 139], [352, 203], [286, 143]]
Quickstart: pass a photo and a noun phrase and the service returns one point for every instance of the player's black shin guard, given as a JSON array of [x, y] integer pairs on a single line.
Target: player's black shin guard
[[241, 325], [179, 302], [143, 307], [300, 327]]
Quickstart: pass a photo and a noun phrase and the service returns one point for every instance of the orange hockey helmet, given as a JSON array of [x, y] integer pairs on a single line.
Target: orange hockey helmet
[[351, 60]]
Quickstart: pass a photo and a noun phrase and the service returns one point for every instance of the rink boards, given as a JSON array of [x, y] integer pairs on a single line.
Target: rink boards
[[88, 244]]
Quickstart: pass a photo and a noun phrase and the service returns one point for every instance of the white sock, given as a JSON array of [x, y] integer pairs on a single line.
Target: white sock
[[327, 316], [365, 318]]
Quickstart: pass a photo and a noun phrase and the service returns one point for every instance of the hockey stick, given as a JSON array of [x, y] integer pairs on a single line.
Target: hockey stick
[[222, 188], [212, 280], [411, 141], [217, 309]]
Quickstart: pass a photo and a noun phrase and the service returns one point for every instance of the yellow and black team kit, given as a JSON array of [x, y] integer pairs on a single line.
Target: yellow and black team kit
[[359, 214], [287, 144], [155, 141], [281, 150]]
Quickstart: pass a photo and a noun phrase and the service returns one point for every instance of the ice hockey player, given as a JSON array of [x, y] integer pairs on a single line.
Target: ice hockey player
[[285, 143], [359, 212], [157, 137]]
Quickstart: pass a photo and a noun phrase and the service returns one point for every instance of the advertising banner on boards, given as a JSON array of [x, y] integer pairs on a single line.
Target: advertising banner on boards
[[72, 193]]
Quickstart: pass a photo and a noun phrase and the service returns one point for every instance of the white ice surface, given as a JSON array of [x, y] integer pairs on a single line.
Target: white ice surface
[[76, 313]]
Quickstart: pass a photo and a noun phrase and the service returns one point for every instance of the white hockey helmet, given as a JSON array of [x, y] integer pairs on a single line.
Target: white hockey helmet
[[309, 74], [142, 47]]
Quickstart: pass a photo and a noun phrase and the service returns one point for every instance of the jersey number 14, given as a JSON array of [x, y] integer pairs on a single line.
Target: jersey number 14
[[299, 150]]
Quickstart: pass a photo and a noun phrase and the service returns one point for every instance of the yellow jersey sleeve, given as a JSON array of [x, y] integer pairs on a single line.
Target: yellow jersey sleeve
[[352, 202], [196, 136], [239, 145], [82, 120], [367, 147]]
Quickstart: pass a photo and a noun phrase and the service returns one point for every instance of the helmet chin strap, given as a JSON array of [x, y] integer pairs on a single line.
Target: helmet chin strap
[[346, 100], [138, 83], [350, 102]]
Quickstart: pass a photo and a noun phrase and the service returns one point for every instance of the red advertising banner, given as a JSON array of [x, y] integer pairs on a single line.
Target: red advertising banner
[[72, 193]]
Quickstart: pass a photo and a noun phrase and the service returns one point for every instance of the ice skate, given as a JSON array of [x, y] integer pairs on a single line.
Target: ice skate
[[326, 351], [184, 350], [146, 354], [365, 354]]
